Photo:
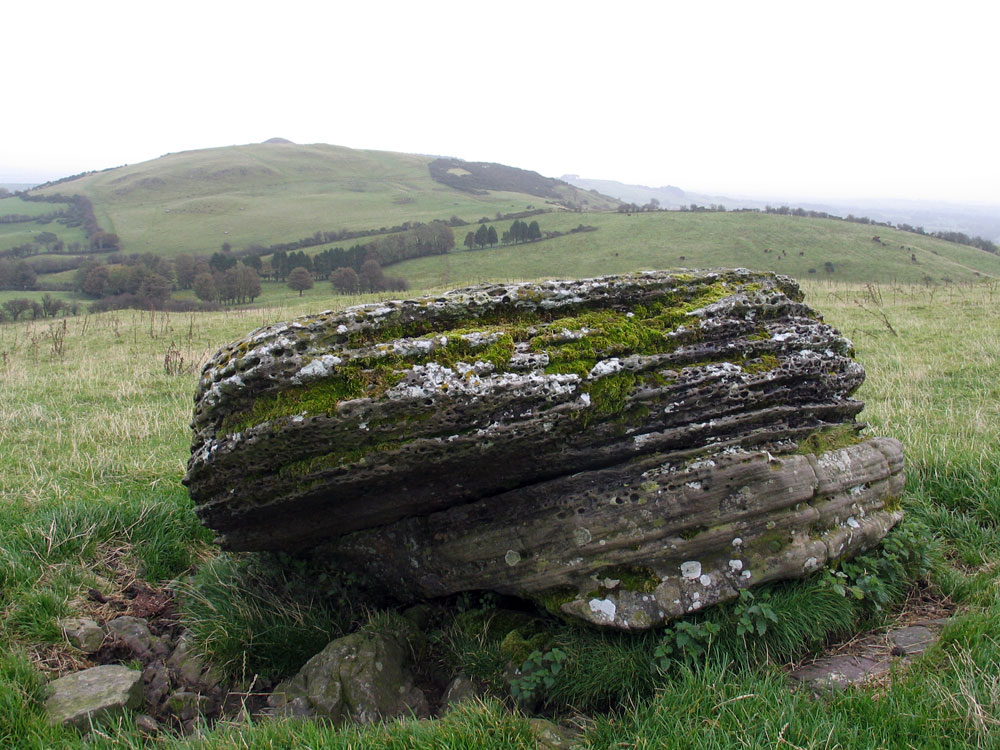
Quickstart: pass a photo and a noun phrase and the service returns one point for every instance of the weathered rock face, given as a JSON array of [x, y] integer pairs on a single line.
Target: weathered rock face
[[637, 544], [621, 448]]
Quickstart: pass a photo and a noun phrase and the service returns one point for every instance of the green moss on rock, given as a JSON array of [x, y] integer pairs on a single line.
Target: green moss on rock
[[829, 439]]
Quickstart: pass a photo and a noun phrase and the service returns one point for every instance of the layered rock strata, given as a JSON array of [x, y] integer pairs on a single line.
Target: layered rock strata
[[634, 545], [448, 423]]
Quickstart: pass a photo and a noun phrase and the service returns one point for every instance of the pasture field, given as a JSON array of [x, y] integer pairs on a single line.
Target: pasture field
[[15, 205], [12, 235], [672, 239], [94, 437]]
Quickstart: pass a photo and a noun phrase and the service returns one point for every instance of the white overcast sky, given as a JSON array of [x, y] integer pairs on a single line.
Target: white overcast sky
[[771, 99]]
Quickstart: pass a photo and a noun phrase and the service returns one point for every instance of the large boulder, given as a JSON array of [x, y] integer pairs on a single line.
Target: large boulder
[[624, 449]]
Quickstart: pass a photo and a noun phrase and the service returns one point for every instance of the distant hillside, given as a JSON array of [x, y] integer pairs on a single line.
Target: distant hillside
[[266, 193], [480, 177], [669, 197]]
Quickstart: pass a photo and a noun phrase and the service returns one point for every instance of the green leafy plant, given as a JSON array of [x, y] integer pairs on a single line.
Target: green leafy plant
[[538, 672], [837, 582], [753, 613], [684, 641]]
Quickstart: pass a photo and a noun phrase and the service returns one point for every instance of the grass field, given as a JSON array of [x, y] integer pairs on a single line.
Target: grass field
[[705, 240], [12, 235], [14, 205], [674, 240], [194, 201], [94, 438]]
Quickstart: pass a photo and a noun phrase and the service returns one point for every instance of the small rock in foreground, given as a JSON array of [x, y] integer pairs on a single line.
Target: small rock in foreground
[[93, 695]]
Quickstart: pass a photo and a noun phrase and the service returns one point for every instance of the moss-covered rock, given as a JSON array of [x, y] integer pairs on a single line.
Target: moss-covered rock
[[309, 429], [582, 443]]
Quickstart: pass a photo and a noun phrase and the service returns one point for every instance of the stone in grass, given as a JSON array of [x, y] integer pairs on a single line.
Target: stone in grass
[[147, 725], [83, 633], [361, 677], [838, 672], [190, 666], [134, 633], [93, 695], [551, 736], [186, 704], [462, 689], [911, 640]]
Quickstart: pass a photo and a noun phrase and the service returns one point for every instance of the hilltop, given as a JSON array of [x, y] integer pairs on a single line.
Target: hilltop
[[264, 193]]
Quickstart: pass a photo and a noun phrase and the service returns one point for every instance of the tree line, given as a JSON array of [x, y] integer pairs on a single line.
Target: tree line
[[519, 232], [49, 307]]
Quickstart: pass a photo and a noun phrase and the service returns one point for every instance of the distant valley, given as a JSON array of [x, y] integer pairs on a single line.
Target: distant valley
[[933, 216]]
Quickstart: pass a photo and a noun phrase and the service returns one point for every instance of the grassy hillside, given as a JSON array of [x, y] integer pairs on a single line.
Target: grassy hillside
[[91, 457], [701, 240], [264, 193]]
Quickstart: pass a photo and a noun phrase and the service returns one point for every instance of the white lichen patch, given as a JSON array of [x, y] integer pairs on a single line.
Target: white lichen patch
[[320, 367], [736, 565], [704, 463], [705, 580], [604, 610], [640, 440], [691, 569], [512, 558], [479, 339], [582, 536], [604, 368]]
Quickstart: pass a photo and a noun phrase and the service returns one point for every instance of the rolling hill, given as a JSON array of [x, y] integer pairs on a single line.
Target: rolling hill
[[669, 239], [264, 193]]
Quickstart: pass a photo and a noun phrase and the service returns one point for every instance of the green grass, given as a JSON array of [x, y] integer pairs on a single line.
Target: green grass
[[6, 294], [14, 205], [93, 444], [12, 235], [708, 240]]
